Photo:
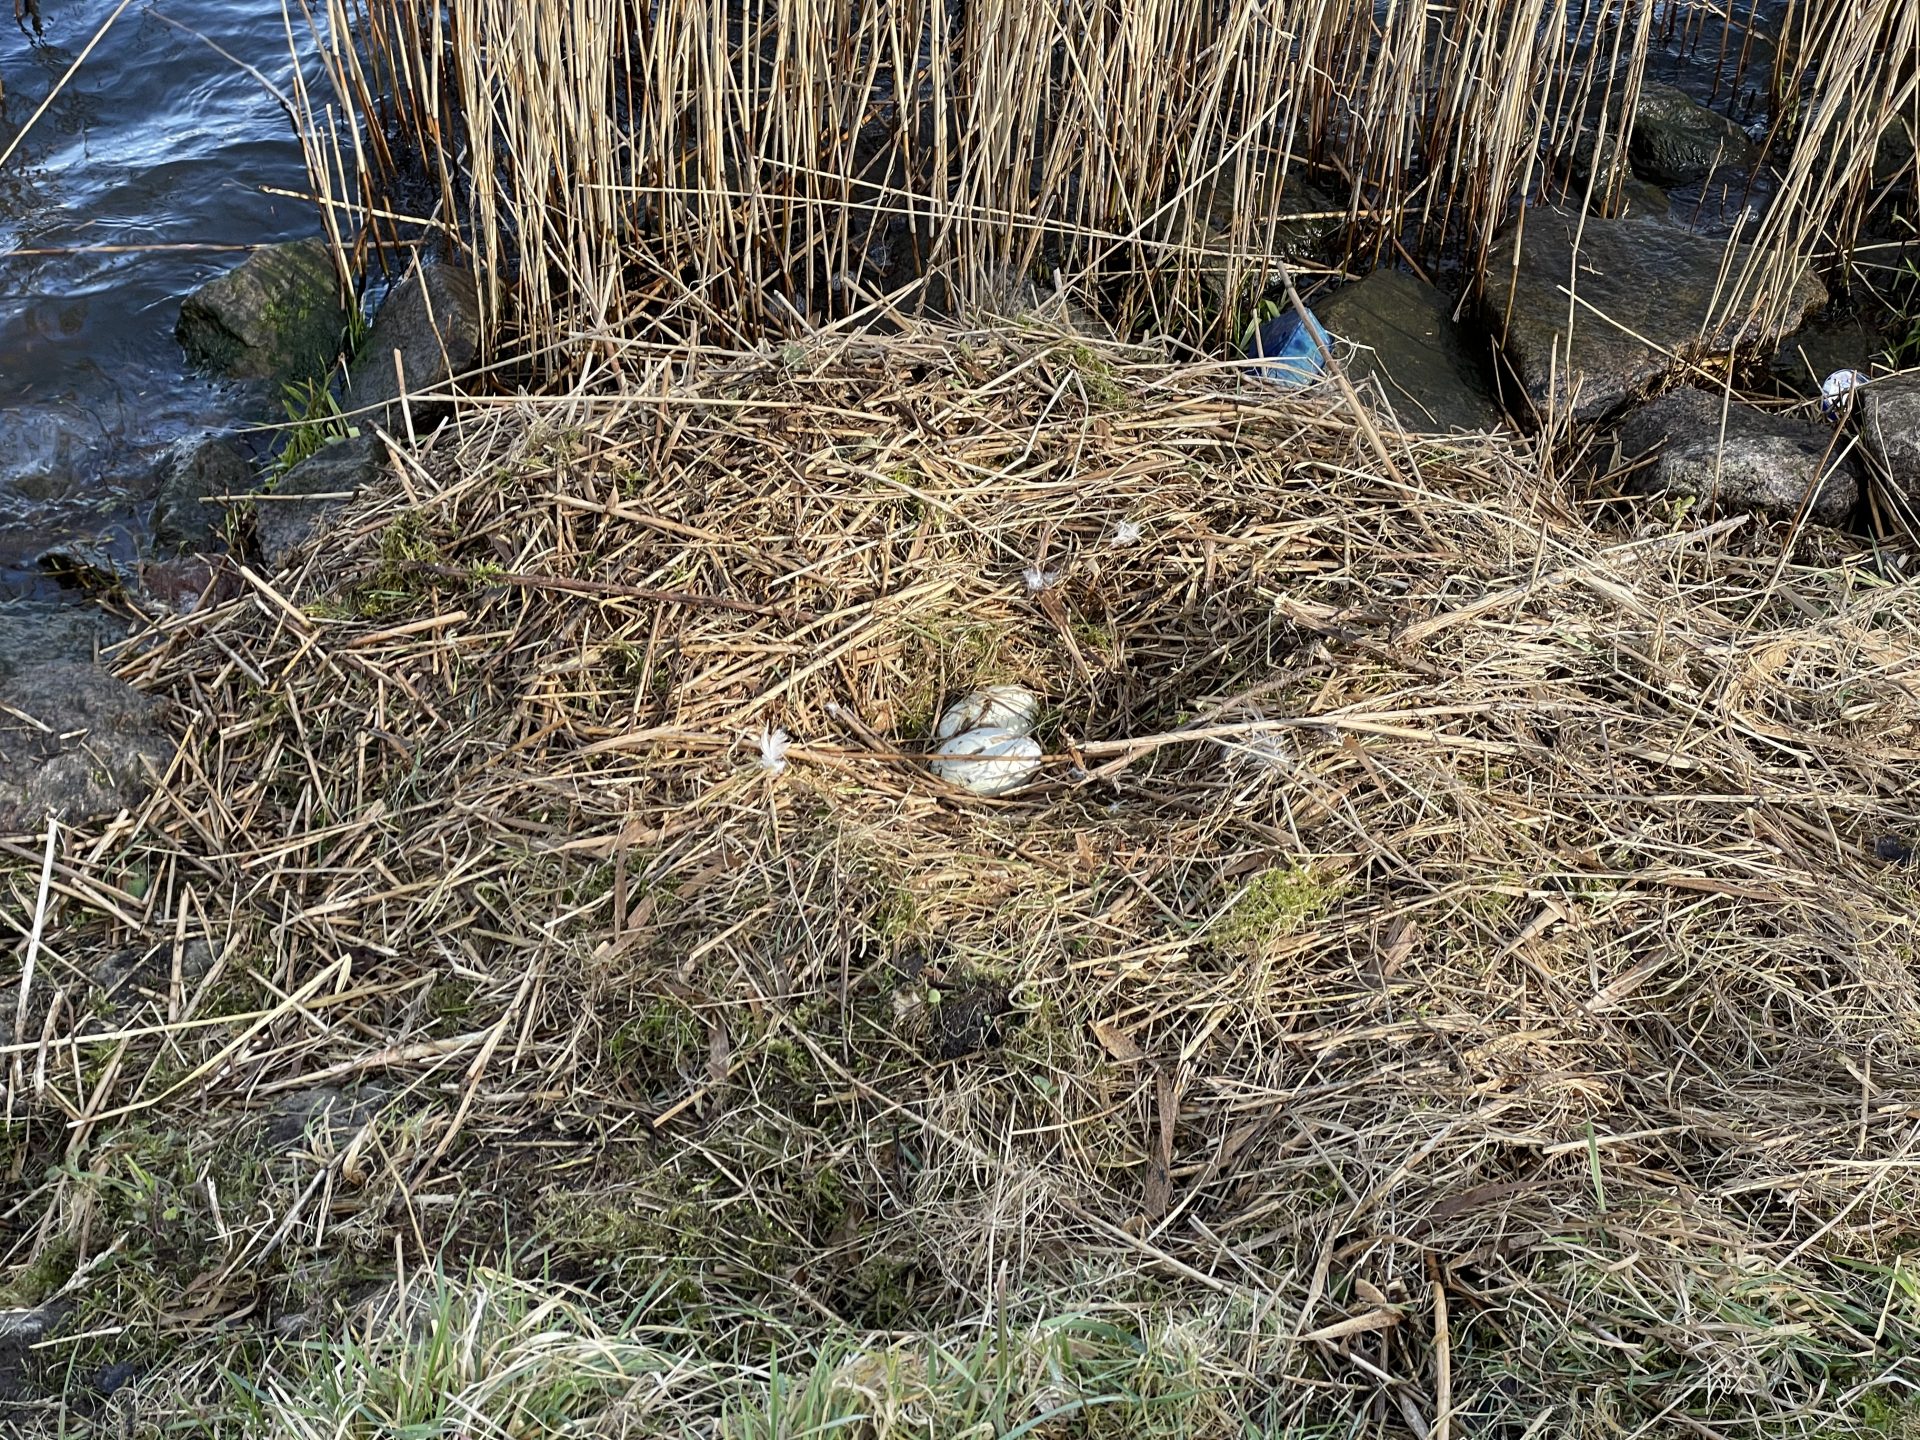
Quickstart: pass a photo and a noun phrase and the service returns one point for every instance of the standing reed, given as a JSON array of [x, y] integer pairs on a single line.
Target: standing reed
[[713, 172]]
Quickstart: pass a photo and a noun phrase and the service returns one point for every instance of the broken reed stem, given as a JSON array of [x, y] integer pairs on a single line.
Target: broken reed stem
[[40, 910]]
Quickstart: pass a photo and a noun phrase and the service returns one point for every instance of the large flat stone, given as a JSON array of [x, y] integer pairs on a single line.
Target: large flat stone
[[1408, 340], [1645, 293], [1733, 457]]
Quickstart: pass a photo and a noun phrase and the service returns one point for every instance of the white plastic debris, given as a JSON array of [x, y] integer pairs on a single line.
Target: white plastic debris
[[1836, 391], [988, 761], [1126, 532], [1038, 579], [996, 707]]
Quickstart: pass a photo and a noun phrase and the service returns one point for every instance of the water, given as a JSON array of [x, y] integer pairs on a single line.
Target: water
[[156, 141]]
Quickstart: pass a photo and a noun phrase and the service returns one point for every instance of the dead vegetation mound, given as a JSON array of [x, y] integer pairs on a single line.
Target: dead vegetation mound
[[1454, 968]]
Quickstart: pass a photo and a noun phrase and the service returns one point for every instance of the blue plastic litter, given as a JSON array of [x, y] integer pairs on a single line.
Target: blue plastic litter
[[1298, 354]]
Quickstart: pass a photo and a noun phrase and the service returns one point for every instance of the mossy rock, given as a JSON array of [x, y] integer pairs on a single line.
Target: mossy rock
[[278, 316], [1675, 140]]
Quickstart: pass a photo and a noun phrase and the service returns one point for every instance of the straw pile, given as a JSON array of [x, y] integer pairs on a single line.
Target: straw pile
[[1442, 980]]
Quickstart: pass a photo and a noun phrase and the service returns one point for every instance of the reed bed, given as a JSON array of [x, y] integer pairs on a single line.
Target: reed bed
[[719, 172], [1454, 975]]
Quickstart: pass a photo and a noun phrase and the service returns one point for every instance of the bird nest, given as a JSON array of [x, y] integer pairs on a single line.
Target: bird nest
[[1453, 966]]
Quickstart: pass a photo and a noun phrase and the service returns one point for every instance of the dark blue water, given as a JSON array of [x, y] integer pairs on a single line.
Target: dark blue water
[[156, 141]]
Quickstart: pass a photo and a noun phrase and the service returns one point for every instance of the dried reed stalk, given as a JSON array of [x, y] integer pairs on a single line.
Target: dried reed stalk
[[708, 171]]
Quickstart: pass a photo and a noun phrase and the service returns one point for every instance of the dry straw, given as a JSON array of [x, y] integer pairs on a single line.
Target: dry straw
[[1442, 980]]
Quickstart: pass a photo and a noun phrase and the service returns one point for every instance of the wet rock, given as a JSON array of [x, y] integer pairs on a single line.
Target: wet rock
[[278, 316], [1593, 159], [1890, 430], [1724, 205], [33, 634], [294, 509], [1764, 462], [1641, 199], [1615, 195], [182, 518], [1806, 360], [432, 318], [75, 742], [1652, 286], [1407, 337], [1676, 140]]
